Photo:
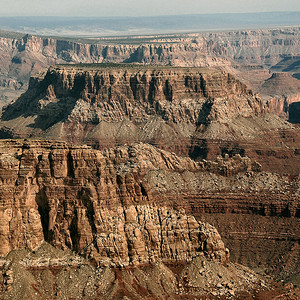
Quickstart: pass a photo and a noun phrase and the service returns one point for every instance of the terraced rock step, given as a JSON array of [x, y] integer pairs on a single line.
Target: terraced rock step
[[126, 199], [198, 112]]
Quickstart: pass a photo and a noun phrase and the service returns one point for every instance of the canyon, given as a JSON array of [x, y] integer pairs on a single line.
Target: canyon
[[251, 55], [172, 150], [170, 157], [196, 112], [120, 208]]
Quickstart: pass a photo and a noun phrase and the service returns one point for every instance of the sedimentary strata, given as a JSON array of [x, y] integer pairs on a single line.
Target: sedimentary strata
[[135, 207], [191, 111], [249, 54], [77, 198]]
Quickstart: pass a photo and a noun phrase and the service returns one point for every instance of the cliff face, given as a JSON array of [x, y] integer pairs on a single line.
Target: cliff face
[[84, 200], [177, 95], [191, 111], [281, 90], [232, 51], [257, 47], [135, 205]]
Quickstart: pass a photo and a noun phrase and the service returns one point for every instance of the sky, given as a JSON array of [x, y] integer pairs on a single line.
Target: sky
[[103, 8]]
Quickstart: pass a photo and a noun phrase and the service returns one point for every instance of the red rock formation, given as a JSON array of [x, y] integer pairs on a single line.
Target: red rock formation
[[241, 52], [191, 111], [78, 198], [112, 92], [253, 47], [124, 205], [280, 90]]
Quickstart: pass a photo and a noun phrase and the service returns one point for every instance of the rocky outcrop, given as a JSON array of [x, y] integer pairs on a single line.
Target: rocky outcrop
[[107, 103], [13, 84], [280, 90], [190, 111], [255, 47], [280, 84], [143, 234], [81, 199], [280, 105], [110, 93], [126, 206], [240, 52]]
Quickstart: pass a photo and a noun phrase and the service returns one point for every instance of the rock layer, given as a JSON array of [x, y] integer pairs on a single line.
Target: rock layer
[[111, 93], [21, 56], [132, 204], [78, 198], [244, 53], [191, 111]]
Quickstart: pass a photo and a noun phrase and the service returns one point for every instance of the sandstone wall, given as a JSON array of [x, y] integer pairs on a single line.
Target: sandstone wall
[[131, 204], [242, 53], [79, 198], [258, 47], [196, 112]]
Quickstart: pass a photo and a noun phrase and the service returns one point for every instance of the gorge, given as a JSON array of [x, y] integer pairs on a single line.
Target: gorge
[[174, 158]]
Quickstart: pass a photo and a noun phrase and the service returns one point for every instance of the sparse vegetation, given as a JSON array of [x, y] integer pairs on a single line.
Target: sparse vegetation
[[133, 66], [11, 34]]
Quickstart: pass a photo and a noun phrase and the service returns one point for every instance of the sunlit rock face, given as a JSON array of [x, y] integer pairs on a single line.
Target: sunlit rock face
[[96, 203], [196, 112]]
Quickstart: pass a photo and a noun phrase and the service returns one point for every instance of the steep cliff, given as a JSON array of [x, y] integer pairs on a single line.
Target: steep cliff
[[280, 90], [84, 200], [254, 47], [241, 52], [135, 206], [192, 111], [138, 211], [110, 93]]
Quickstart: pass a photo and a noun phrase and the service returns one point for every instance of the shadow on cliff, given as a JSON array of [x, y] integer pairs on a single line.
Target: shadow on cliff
[[294, 112], [46, 108], [199, 148], [44, 209], [85, 198]]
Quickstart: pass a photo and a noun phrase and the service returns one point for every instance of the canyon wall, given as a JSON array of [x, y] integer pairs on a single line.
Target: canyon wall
[[109, 93], [280, 90], [257, 47], [244, 53], [97, 202], [132, 205], [101, 205], [80, 199], [192, 111]]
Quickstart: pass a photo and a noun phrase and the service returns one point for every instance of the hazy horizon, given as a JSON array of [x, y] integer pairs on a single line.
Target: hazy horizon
[[131, 8], [120, 26]]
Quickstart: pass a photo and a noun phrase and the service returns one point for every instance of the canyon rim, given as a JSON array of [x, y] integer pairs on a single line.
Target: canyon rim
[[150, 166]]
